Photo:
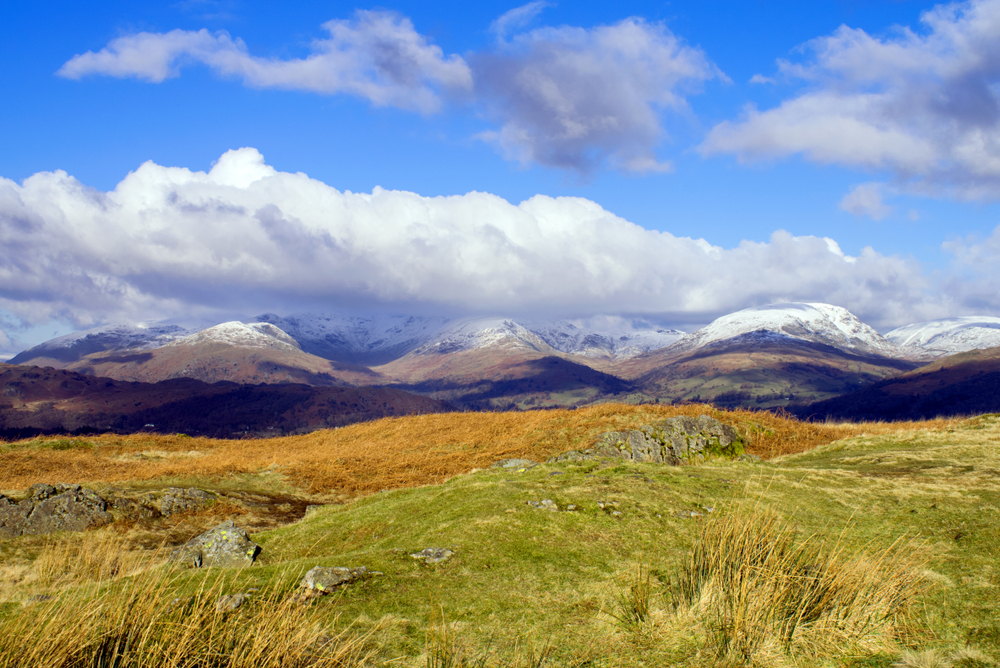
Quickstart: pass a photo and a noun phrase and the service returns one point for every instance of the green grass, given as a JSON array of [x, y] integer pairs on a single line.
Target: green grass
[[592, 587]]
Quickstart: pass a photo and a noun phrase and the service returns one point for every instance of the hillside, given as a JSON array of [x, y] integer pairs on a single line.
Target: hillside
[[599, 580], [962, 384], [45, 400], [757, 371]]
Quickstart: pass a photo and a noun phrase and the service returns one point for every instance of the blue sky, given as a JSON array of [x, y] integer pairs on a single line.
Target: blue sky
[[718, 146]]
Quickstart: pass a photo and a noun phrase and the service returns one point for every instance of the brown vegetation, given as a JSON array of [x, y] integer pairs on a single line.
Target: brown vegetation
[[389, 453]]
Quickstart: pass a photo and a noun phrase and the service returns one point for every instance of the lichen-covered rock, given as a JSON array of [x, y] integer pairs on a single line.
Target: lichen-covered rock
[[52, 508], [226, 545], [325, 580], [676, 440], [433, 555]]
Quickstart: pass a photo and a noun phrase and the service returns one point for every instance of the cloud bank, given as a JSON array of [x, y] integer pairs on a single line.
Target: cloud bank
[[924, 107], [171, 242]]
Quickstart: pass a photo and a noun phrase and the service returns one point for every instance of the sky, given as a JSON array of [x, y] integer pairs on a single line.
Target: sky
[[671, 161]]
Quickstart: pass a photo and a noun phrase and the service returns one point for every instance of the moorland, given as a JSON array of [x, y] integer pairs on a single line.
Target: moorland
[[825, 544]]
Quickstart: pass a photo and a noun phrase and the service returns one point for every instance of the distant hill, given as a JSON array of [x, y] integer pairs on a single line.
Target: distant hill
[[759, 370], [45, 400], [962, 384], [779, 355]]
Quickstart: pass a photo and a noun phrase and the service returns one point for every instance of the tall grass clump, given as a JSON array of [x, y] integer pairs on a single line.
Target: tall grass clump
[[759, 590], [145, 622]]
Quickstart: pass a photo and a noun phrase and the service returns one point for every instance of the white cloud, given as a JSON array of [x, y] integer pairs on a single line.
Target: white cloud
[[377, 55], [517, 18], [170, 242], [567, 97], [576, 98], [922, 106], [761, 79], [866, 200]]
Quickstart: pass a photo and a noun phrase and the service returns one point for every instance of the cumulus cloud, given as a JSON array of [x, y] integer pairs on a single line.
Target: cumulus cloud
[[576, 98], [923, 106], [169, 242], [568, 97], [866, 200], [377, 55]]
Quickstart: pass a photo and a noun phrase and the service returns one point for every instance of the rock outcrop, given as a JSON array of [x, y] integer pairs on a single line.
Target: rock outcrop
[[676, 440], [226, 545], [52, 508]]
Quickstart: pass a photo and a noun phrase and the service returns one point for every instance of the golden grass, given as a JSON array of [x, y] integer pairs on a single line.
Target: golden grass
[[395, 452], [761, 592], [141, 622]]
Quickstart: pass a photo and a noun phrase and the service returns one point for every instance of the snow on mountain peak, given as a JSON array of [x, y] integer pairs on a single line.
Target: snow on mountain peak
[[817, 323], [484, 333], [241, 334], [939, 338]]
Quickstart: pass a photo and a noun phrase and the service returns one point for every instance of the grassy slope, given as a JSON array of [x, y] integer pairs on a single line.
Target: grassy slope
[[528, 576]]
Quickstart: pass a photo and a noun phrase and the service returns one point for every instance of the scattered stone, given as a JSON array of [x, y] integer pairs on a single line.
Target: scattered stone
[[325, 580], [606, 504], [51, 508], [433, 555], [40, 598], [226, 545], [522, 464], [616, 513], [557, 473], [674, 441], [229, 602], [544, 504], [571, 507], [688, 514]]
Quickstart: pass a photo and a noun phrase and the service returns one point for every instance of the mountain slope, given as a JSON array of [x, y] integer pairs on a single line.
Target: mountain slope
[[768, 357], [63, 350], [234, 351], [962, 384], [940, 338], [45, 400]]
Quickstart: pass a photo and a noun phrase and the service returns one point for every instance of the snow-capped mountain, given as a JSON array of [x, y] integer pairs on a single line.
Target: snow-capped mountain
[[939, 338], [616, 338], [377, 340], [71, 347], [816, 323], [357, 339], [477, 333], [241, 335]]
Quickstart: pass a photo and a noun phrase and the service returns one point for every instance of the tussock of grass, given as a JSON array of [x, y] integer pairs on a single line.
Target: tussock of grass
[[142, 623], [757, 589]]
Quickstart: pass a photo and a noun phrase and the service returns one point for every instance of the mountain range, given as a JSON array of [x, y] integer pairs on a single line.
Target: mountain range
[[781, 355]]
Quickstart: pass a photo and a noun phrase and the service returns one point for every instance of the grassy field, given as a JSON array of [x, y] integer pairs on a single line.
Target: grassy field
[[849, 545]]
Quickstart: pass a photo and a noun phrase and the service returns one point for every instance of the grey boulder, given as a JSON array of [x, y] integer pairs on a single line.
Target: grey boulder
[[226, 545], [324, 580]]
